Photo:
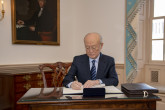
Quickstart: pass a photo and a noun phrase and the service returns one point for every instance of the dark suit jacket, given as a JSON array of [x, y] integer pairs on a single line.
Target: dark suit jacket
[[81, 69]]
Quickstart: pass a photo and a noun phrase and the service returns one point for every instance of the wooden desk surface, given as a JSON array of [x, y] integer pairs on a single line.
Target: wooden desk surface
[[51, 99]]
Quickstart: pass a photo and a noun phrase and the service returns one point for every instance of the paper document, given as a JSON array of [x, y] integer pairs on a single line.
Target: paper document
[[112, 89], [108, 90]]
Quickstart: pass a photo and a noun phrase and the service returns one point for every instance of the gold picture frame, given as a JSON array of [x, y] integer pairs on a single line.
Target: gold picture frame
[[30, 27]]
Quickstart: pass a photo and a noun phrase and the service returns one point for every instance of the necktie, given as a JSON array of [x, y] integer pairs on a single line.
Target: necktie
[[93, 71]]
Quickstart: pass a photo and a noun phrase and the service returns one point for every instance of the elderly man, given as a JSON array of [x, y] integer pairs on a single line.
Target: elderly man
[[92, 68]]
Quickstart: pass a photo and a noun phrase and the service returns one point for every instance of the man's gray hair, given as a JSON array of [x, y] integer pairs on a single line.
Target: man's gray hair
[[42, 0], [101, 39]]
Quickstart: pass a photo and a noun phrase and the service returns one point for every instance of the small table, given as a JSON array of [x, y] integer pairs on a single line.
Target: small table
[[53, 99]]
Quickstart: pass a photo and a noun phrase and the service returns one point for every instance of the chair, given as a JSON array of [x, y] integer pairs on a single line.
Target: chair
[[58, 71]]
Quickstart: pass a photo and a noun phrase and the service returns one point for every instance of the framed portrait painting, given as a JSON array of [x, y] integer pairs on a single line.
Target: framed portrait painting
[[36, 22]]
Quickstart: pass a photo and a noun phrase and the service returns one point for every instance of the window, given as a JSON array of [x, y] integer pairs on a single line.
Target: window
[[158, 32]]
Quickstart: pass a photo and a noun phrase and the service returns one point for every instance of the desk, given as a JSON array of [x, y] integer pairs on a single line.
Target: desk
[[53, 99]]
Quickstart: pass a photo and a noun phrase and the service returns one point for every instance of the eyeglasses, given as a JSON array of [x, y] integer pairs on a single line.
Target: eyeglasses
[[93, 48]]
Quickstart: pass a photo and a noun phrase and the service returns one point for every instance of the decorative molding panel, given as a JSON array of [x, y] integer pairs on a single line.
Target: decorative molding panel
[[120, 73], [155, 74]]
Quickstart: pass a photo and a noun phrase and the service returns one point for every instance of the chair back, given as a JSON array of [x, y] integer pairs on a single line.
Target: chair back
[[58, 70]]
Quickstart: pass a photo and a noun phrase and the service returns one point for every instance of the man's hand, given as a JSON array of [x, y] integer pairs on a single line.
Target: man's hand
[[20, 22], [91, 83], [76, 85], [32, 28]]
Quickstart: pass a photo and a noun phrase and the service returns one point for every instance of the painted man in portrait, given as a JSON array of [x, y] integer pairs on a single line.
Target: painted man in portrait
[[36, 20]]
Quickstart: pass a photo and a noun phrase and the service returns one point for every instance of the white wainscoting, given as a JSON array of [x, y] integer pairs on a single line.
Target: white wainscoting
[[154, 76]]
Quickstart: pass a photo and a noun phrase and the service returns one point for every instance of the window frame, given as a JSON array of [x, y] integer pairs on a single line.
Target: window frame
[[151, 17]]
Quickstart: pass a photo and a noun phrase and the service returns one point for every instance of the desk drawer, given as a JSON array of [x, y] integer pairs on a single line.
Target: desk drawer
[[28, 77], [18, 96], [24, 86]]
